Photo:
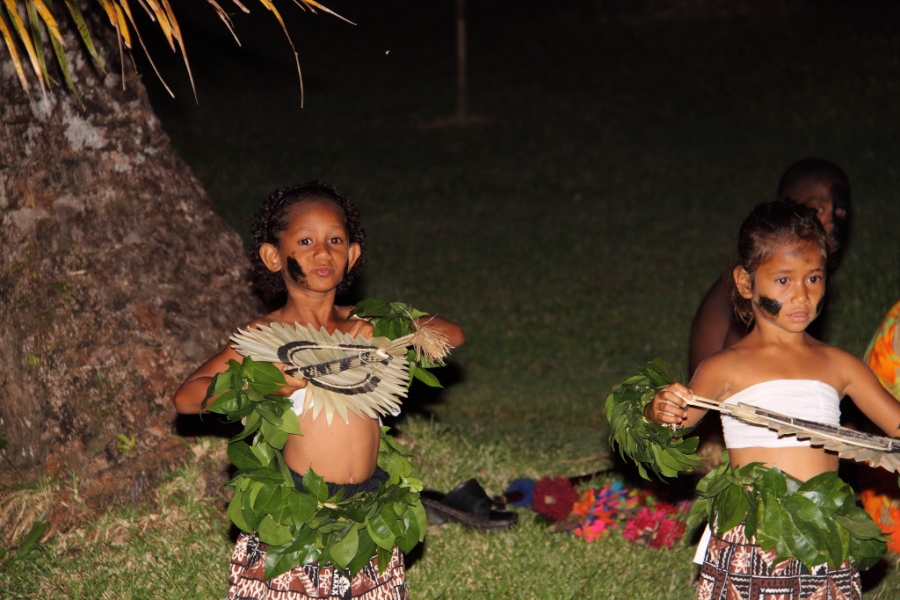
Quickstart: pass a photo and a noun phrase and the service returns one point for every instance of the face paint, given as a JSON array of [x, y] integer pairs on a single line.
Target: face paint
[[768, 305], [295, 270]]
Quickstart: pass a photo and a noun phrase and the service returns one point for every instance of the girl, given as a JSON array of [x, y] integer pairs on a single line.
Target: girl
[[779, 289], [815, 182], [308, 244]]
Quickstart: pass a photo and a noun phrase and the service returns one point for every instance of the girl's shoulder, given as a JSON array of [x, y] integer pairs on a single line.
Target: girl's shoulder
[[716, 376], [727, 359]]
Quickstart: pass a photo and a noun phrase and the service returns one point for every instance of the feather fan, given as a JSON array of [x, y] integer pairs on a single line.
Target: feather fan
[[365, 376], [876, 450]]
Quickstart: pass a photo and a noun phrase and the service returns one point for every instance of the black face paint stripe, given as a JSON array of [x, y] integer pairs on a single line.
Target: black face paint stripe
[[768, 305], [295, 270]]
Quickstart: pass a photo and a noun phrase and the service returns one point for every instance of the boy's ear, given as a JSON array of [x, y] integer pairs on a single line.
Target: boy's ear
[[743, 282], [353, 253], [269, 255]]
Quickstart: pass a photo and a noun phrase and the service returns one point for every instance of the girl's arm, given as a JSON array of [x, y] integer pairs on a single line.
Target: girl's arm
[[454, 332], [669, 407], [869, 395]]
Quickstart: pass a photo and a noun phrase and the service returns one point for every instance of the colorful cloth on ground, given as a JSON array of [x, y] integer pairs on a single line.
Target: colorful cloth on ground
[[883, 355], [247, 582], [736, 569]]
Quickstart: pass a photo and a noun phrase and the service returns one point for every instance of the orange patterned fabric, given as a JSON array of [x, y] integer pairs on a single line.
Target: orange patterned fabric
[[885, 511], [880, 496], [883, 354]]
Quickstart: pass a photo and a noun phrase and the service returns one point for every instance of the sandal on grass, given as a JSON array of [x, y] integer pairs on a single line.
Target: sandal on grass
[[467, 504]]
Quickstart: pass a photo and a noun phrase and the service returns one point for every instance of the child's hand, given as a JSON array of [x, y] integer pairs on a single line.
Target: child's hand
[[292, 384], [669, 405]]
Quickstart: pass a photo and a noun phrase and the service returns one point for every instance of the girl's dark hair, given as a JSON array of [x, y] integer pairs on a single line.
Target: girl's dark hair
[[769, 227], [271, 219], [825, 172]]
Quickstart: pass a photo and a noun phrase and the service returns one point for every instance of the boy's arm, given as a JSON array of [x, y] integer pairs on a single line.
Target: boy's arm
[[190, 395], [192, 392], [454, 332]]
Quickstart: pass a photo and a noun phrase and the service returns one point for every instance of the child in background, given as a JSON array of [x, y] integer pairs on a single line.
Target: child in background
[[814, 182], [779, 283], [308, 244]]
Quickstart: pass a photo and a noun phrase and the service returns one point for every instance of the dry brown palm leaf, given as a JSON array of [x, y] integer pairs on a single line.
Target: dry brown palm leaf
[[365, 376], [431, 343], [876, 450]]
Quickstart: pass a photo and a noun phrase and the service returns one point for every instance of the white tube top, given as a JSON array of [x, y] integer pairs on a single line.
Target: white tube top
[[799, 398]]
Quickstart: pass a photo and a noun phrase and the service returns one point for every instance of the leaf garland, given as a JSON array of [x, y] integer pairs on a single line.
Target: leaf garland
[[664, 452], [308, 526], [393, 320], [815, 521]]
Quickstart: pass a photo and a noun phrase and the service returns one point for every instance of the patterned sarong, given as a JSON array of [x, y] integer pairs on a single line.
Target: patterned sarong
[[736, 569], [246, 581]]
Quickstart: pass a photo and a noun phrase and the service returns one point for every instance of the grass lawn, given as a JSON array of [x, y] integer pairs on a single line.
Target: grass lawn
[[572, 234]]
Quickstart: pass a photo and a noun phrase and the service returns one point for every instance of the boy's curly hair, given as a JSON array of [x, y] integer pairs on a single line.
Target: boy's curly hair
[[270, 220], [769, 227]]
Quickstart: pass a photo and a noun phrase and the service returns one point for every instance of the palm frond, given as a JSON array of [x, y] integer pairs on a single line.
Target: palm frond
[[14, 53], [876, 450], [81, 26], [20, 39], [25, 37]]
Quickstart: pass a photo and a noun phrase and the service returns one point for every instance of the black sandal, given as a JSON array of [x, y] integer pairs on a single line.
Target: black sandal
[[467, 504]]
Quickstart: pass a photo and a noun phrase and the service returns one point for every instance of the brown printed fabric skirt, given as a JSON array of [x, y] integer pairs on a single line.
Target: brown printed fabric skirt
[[247, 582], [735, 569]]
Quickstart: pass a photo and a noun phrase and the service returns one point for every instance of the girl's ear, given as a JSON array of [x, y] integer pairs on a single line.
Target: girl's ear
[[743, 282], [269, 255], [353, 253]]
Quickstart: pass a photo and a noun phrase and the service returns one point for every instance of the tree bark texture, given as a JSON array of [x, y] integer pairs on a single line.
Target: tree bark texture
[[117, 279]]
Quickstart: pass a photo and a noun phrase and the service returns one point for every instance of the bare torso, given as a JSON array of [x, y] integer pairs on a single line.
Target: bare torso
[[802, 463], [340, 452]]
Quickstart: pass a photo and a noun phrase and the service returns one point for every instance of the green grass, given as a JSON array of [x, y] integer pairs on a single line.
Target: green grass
[[573, 236]]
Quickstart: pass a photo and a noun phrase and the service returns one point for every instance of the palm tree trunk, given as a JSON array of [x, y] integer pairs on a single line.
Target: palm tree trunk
[[116, 280]]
